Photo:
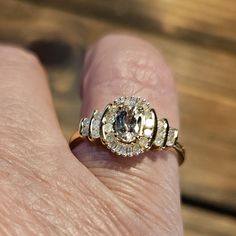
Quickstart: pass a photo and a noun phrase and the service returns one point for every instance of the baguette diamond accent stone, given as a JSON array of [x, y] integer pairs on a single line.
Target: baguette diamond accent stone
[[172, 137], [162, 126], [95, 125], [84, 127]]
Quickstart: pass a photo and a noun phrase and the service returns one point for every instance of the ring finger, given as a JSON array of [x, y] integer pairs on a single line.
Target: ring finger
[[125, 66]]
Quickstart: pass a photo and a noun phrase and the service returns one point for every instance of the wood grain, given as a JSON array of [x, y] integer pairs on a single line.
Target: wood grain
[[206, 84], [202, 223], [210, 23]]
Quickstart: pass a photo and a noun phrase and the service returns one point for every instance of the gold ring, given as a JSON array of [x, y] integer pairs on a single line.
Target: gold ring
[[129, 127]]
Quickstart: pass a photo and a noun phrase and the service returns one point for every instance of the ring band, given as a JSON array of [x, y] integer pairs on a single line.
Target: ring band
[[129, 127]]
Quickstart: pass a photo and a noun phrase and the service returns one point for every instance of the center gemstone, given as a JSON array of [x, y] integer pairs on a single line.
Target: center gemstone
[[128, 123]]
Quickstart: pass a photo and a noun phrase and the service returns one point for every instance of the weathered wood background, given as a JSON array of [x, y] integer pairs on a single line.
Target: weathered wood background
[[198, 38]]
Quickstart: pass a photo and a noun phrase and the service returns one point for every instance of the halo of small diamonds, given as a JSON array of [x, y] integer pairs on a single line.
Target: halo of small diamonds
[[128, 126]]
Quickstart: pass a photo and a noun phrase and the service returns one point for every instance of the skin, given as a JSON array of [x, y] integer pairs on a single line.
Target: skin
[[48, 190]]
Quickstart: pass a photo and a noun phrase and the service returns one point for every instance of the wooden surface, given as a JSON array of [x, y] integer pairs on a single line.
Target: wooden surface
[[206, 22], [204, 223], [197, 39]]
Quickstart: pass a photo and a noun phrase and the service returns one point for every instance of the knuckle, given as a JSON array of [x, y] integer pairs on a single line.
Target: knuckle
[[14, 57], [136, 67], [22, 124], [132, 64], [17, 114]]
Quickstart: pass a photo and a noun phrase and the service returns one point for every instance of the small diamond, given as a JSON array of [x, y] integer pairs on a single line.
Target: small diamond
[[98, 115], [86, 121], [96, 123], [145, 106], [110, 138], [148, 132], [95, 134], [113, 110], [132, 101], [123, 150], [118, 148], [112, 145], [85, 131], [110, 118], [160, 139], [110, 115], [129, 150], [161, 129], [85, 127], [126, 101], [120, 100], [172, 136], [161, 133], [136, 149], [143, 142], [149, 123], [108, 128]]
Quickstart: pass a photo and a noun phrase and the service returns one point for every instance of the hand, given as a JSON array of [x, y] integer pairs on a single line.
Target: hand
[[45, 189]]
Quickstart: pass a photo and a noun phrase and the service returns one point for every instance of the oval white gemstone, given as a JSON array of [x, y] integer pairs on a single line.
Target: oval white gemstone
[[128, 123]]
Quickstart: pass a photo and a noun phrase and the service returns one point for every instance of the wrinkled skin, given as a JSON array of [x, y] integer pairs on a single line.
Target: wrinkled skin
[[48, 190]]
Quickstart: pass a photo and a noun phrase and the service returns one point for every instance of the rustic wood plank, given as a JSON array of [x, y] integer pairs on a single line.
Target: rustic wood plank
[[206, 82], [202, 223], [210, 22]]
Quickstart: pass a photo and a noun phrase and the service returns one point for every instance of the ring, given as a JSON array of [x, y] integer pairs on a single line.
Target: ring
[[129, 127]]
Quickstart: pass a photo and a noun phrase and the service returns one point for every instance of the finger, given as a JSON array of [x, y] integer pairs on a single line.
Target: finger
[[29, 127], [125, 66], [43, 187]]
